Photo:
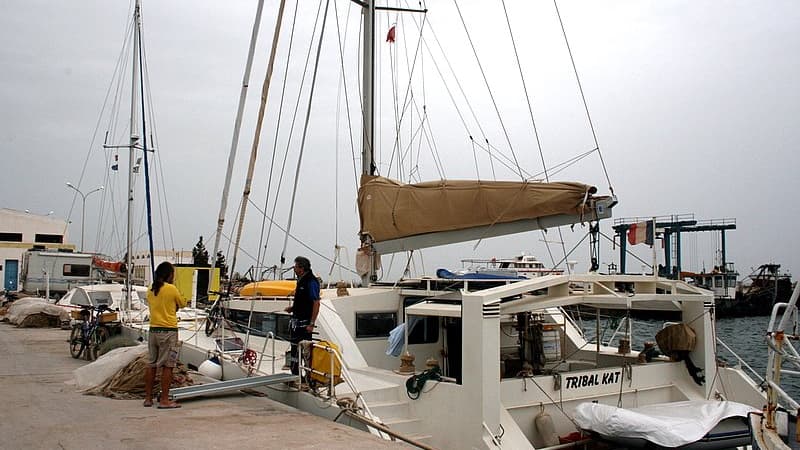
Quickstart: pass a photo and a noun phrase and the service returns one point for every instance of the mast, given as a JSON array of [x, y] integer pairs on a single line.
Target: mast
[[134, 139], [223, 207], [368, 9], [368, 100], [368, 88]]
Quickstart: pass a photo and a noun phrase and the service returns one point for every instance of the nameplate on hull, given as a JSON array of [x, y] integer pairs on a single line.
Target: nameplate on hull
[[592, 379]]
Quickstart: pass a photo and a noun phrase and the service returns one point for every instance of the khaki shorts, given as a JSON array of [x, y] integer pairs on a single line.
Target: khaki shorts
[[163, 347]]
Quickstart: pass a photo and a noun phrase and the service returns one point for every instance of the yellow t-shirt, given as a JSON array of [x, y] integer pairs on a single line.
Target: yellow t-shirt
[[164, 306]]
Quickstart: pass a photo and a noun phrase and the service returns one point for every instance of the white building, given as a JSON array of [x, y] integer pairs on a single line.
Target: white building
[[20, 231]]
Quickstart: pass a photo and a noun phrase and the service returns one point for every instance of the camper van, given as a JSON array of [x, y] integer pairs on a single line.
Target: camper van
[[62, 270]]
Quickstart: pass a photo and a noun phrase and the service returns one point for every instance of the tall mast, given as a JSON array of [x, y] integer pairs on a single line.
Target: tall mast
[[223, 207], [132, 151], [368, 100], [368, 88]]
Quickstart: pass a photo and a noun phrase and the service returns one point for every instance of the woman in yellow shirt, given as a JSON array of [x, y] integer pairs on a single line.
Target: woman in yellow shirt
[[164, 301]]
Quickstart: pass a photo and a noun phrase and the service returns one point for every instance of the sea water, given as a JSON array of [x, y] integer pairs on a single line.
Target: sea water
[[745, 336]]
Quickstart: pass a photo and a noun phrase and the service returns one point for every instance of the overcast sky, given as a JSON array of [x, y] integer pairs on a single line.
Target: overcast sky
[[695, 106]]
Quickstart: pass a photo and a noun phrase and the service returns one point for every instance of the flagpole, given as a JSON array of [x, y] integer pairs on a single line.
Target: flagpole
[[653, 247]]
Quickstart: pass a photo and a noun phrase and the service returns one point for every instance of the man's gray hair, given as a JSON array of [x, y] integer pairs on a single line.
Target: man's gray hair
[[303, 262]]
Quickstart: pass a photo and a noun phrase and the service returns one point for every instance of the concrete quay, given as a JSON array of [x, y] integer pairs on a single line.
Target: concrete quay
[[41, 409]]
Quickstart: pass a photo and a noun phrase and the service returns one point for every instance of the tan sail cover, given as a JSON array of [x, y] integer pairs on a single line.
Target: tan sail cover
[[390, 209]]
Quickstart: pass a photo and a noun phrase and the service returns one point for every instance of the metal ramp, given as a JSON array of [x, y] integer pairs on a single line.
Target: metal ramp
[[229, 386]]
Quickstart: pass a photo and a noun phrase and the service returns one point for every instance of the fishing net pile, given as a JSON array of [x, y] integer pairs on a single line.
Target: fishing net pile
[[120, 374], [32, 312]]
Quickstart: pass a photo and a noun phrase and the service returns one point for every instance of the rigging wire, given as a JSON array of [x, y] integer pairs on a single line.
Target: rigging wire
[[343, 81], [458, 84], [297, 239], [257, 133], [148, 206], [161, 192], [583, 97], [117, 72], [408, 95], [340, 87], [243, 90], [305, 132], [491, 94], [262, 242], [393, 68], [296, 109], [535, 128]]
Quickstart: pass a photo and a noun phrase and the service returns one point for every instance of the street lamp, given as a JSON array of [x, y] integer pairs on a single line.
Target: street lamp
[[83, 208]]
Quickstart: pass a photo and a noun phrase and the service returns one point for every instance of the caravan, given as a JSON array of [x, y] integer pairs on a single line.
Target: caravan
[[60, 270]]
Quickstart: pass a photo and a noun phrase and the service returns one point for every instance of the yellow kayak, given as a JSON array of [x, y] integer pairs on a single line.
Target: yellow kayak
[[269, 288]]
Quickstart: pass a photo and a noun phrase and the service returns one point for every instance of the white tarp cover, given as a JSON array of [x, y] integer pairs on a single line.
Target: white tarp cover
[[665, 424], [20, 309]]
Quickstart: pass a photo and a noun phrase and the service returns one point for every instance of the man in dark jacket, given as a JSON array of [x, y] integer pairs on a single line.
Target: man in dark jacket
[[305, 307]]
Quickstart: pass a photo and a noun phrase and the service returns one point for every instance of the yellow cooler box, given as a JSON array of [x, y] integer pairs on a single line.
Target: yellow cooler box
[[321, 363]]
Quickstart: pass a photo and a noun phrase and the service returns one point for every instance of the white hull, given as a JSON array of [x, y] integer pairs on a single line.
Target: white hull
[[483, 406]]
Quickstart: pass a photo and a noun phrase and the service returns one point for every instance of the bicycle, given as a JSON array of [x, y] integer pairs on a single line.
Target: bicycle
[[214, 313], [88, 333]]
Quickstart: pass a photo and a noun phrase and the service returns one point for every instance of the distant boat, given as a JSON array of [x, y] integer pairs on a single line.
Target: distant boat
[[753, 296], [523, 265], [762, 289]]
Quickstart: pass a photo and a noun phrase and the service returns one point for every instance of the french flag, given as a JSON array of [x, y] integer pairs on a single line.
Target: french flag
[[641, 232]]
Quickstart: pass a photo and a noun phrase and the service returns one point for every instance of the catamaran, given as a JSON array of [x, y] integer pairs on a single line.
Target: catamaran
[[474, 363]]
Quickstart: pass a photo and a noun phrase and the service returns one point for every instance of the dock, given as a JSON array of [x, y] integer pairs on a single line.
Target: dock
[[41, 409]]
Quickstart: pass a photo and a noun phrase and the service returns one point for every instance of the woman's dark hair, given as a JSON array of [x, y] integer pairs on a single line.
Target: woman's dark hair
[[164, 272]]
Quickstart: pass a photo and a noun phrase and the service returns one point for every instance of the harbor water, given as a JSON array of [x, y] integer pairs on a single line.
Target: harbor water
[[745, 336]]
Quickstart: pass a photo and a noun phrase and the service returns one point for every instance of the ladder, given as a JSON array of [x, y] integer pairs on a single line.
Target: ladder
[[229, 385]]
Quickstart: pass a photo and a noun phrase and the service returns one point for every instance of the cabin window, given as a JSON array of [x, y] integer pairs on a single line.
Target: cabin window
[[718, 282], [49, 238], [425, 330], [261, 323], [11, 237], [76, 270], [79, 298], [375, 324], [102, 298]]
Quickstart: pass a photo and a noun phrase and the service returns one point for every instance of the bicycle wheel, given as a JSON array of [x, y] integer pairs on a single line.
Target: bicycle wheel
[[212, 321], [99, 336], [76, 342]]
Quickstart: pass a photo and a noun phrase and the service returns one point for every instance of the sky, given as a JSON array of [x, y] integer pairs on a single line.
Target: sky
[[694, 105]]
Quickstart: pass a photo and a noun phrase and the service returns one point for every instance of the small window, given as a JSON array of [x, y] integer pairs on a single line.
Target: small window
[[50, 238], [76, 270], [11, 237], [718, 282], [375, 324]]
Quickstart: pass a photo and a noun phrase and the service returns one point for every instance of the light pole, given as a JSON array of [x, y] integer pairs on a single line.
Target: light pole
[[83, 207]]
